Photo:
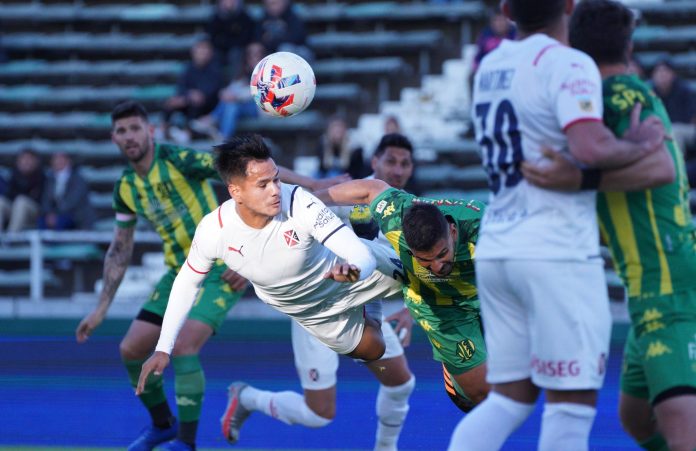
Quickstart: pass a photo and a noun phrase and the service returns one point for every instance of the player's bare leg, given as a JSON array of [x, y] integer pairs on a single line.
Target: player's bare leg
[[676, 419], [371, 345]]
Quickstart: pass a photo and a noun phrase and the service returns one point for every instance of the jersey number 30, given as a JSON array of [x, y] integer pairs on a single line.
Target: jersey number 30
[[502, 150]]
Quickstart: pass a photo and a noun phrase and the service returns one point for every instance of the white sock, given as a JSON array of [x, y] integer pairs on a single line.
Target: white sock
[[286, 406], [496, 413], [392, 407], [566, 426]]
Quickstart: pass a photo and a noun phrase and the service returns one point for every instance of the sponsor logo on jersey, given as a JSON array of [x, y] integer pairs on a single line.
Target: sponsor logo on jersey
[[692, 349], [466, 349], [556, 368], [657, 349], [325, 216], [380, 206], [438, 202], [579, 87], [291, 238]]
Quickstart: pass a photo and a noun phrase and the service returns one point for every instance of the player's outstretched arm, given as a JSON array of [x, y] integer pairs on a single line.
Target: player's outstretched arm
[[115, 264], [353, 193], [592, 144], [559, 173], [289, 176]]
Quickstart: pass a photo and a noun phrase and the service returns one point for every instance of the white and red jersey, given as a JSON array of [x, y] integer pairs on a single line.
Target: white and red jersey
[[526, 94], [285, 261]]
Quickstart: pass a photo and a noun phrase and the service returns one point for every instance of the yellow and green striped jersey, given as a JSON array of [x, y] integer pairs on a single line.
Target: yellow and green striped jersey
[[459, 287], [174, 197], [650, 233]]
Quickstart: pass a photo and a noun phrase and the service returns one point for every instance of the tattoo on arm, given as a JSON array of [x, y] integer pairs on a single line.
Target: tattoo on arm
[[115, 263]]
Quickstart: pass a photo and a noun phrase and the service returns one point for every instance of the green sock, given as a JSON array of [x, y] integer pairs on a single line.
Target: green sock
[[189, 386], [153, 396], [655, 443]]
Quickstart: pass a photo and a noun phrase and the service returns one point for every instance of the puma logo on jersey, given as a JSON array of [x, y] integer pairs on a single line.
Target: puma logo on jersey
[[239, 251], [311, 204]]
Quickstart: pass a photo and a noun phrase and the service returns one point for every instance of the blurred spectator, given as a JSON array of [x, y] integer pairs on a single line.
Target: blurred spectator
[[65, 201], [19, 208], [197, 90], [679, 100], [235, 102], [281, 29], [391, 125], [336, 155], [498, 28], [230, 30]]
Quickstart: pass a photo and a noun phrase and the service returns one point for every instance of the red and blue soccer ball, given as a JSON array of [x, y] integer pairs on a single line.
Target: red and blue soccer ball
[[283, 84]]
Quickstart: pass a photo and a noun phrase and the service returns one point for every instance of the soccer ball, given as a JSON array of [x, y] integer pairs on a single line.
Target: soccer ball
[[283, 84]]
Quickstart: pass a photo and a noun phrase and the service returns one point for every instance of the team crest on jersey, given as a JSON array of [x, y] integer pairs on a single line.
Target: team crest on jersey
[[291, 238], [466, 349]]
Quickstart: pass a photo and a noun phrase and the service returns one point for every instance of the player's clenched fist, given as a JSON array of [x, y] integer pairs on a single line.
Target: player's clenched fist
[[155, 365], [343, 272]]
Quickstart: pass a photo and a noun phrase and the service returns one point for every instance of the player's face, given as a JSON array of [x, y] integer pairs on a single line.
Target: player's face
[[394, 166], [259, 191], [440, 259], [133, 136]]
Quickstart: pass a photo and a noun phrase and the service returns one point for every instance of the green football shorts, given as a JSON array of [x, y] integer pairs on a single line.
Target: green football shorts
[[214, 299], [660, 351]]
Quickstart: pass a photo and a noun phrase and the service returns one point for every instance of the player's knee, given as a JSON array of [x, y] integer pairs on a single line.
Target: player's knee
[[130, 351], [478, 394], [314, 419], [326, 410]]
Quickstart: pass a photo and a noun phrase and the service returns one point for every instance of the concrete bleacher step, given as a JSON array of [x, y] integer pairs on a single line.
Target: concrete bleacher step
[[103, 98], [166, 71], [76, 252], [664, 37], [22, 279], [84, 125], [162, 15]]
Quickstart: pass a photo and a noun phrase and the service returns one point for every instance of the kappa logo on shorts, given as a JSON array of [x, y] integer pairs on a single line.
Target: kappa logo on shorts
[[466, 349], [314, 374], [291, 238]]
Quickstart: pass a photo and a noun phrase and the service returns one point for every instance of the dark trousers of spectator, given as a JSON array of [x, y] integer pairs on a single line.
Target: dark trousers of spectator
[[63, 222], [189, 111]]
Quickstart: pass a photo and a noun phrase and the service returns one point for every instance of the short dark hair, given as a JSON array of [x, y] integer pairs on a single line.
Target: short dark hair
[[533, 15], [128, 108], [393, 140], [602, 29], [424, 225], [233, 156]]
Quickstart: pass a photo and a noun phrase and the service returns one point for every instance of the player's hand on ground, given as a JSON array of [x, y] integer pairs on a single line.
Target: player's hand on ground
[[321, 184], [87, 325], [154, 365], [650, 132], [234, 280], [555, 172], [343, 272], [403, 325]]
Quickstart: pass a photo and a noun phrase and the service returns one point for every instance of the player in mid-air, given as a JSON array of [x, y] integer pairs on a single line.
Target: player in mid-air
[[539, 272], [169, 186], [317, 365], [645, 219], [293, 250], [435, 241]]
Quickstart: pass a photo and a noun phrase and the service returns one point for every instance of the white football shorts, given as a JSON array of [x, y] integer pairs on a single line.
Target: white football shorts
[[548, 320]]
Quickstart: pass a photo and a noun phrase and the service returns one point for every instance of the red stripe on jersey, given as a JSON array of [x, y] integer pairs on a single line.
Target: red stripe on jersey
[[195, 270], [220, 215], [542, 51], [577, 121]]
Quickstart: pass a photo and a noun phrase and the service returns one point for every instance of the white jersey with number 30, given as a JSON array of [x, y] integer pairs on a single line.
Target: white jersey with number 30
[[526, 94]]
